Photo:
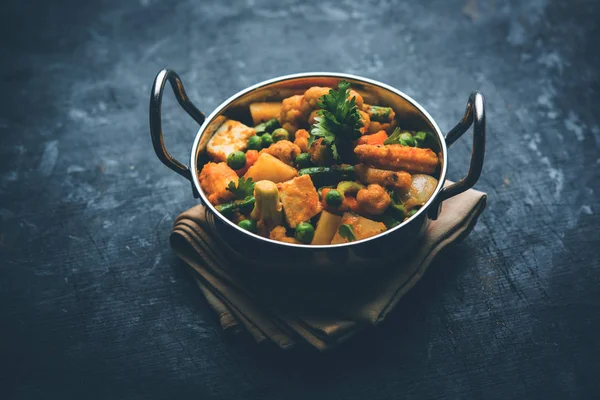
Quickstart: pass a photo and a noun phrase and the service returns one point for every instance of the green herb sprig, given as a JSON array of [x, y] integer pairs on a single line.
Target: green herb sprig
[[338, 120]]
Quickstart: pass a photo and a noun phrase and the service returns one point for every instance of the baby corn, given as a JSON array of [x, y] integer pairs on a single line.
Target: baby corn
[[395, 179], [398, 157]]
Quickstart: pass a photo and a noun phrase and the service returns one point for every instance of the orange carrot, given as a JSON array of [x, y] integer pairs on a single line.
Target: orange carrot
[[350, 204], [251, 157], [375, 138], [323, 194]]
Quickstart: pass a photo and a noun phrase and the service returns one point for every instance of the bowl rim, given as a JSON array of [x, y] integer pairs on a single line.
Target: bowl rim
[[217, 111]]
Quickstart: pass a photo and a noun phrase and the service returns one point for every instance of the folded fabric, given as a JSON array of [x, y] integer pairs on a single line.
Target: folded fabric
[[322, 311]]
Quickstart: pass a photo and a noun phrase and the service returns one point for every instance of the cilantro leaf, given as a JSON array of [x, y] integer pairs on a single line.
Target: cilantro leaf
[[244, 188], [338, 121], [347, 231]]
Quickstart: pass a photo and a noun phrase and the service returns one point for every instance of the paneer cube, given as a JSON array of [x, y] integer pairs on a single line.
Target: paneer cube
[[231, 136], [300, 200], [363, 227]]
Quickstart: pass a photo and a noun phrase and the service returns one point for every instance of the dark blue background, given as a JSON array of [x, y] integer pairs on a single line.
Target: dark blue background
[[93, 304]]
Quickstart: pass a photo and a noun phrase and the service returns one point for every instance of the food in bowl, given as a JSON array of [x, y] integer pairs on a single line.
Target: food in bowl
[[320, 168]]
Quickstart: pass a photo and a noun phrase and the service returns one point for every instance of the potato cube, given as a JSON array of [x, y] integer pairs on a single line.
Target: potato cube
[[363, 227], [264, 111], [269, 168]]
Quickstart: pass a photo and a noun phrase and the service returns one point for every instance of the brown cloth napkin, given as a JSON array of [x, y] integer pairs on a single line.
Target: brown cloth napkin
[[323, 311]]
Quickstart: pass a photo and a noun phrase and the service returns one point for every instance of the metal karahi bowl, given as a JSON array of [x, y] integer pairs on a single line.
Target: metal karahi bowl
[[254, 249]]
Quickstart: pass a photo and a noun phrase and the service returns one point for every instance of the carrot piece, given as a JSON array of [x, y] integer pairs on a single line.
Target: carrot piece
[[350, 204], [323, 194], [375, 138], [251, 157]]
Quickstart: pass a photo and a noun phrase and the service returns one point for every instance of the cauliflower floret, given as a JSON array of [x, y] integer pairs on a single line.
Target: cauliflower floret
[[312, 97], [301, 140], [279, 233], [214, 179], [284, 150], [374, 199], [291, 115]]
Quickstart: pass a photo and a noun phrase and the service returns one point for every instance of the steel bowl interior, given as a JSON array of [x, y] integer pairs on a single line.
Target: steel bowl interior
[[412, 116]]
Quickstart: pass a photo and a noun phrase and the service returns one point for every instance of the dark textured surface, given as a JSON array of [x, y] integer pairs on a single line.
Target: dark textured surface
[[94, 304]]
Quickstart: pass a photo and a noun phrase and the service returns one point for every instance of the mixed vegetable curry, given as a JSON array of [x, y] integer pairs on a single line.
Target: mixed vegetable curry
[[319, 168]]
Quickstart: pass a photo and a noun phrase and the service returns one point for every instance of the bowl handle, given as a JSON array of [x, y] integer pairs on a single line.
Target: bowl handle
[[474, 115], [155, 118]]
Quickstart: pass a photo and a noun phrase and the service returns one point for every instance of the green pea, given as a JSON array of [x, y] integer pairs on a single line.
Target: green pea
[[248, 225], [255, 143], [236, 160], [304, 232], [267, 140], [303, 160], [280, 134], [334, 198], [407, 139]]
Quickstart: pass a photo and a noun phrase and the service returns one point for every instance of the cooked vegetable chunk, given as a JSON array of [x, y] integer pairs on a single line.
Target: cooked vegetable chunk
[[254, 143], [248, 225], [334, 198], [271, 169], [267, 127], [380, 114], [326, 228], [264, 111], [243, 206], [291, 114], [303, 160], [421, 189], [280, 134], [214, 179], [375, 138], [398, 157], [301, 140], [361, 227], [375, 126], [398, 180], [267, 208], [251, 157], [373, 199], [231, 136], [283, 150], [236, 160], [279, 233], [266, 140], [328, 175], [300, 200], [319, 153], [312, 97], [304, 232], [365, 120], [357, 98], [349, 187]]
